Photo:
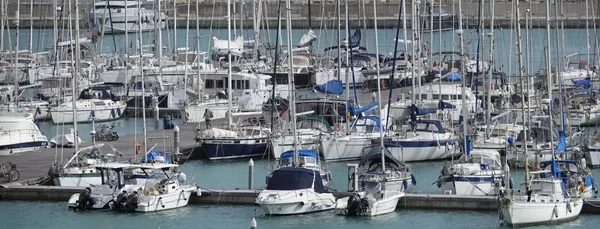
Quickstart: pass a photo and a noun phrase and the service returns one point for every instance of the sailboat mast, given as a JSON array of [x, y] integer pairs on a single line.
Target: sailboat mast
[[31, 26], [187, 45], [491, 61], [229, 117], [378, 86], [459, 32], [143, 94], [175, 26], [587, 32], [522, 81], [198, 82], [548, 75], [292, 103], [16, 68], [75, 74], [347, 75]]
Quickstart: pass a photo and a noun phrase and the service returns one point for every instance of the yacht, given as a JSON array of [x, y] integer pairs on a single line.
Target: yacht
[[309, 131], [428, 140], [306, 159], [235, 143], [111, 16], [19, 133], [88, 110], [295, 190]]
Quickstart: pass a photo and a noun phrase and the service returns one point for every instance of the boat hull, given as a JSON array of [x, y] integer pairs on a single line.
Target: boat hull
[[427, 150], [470, 185], [217, 149], [164, 201], [86, 116], [294, 202], [78, 180], [344, 149], [535, 213]]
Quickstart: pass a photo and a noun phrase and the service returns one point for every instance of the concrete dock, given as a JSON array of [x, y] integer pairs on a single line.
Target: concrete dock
[[34, 164], [247, 197]]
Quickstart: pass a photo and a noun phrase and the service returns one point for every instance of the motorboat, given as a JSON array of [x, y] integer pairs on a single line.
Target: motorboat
[[120, 16], [239, 142], [295, 190], [19, 133], [306, 159]]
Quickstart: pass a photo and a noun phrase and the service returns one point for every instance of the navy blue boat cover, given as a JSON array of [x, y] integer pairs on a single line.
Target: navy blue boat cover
[[294, 178]]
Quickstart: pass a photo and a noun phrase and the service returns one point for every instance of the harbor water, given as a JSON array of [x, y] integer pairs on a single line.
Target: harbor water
[[233, 174]]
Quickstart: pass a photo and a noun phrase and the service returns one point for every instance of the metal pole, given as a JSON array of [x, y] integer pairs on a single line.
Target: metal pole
[[251, 174], [156, 111]]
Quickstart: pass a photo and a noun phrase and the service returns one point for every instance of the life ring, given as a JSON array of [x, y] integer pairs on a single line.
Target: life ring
[[138, 148], [187, 116]]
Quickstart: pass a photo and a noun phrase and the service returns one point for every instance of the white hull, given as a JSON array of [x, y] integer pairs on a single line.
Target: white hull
[[120, 27], [535, 213], [195, 112], [285, 143], [345, 148], [379, 207], [84, 115], [422, 153], [78, 181], [164, 201], [465, 188], [294, 201]]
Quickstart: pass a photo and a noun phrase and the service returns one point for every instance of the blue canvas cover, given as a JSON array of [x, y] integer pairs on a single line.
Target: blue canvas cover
[[562, 143], [453, 77], [293, 178], [358, 110], [153, 154], [584, 82], [301, 153], [332, 87]]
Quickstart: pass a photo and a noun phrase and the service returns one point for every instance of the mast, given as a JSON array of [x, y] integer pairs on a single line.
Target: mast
[[489, 84], [3, 17], [31, 26], [522, 81], [198, 50], [142, 78], [459, 32], [378, 87], [347, 75], [587, 33], [548, 76], [229, 117], [175, 26], [187, 50], [75, 74], [16, 67], [291, 77]]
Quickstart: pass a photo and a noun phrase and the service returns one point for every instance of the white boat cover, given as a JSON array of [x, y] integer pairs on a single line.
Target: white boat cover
[[218, 133]]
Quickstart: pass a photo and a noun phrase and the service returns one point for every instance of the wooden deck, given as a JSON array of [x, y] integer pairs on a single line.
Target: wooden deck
[[35, 164]]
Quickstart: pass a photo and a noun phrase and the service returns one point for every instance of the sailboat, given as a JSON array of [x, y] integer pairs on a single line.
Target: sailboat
[[295, 189], [384, 179], [543, 197]]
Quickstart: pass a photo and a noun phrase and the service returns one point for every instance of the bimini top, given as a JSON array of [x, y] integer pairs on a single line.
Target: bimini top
[[374, 157], [301, 153], [293, 178]]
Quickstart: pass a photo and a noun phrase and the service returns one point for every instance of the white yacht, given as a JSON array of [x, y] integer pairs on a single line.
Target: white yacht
[[428, 140], [111, 16], [19, 133], [99, 110], [295, 190]]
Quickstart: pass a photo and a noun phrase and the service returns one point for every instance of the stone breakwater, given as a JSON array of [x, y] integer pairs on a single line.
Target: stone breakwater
[[321, 14]]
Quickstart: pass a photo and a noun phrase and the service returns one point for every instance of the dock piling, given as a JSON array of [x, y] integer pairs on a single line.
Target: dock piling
[[156, 112], [176, 140], [253, 221], [250, 174]]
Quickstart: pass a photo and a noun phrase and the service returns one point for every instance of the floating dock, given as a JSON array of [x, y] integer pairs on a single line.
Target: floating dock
[[16, 191]]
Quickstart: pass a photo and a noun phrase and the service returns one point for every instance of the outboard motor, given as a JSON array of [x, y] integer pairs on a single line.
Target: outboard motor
[[85, 200], [132, 202], [121, 201], [356, 205]]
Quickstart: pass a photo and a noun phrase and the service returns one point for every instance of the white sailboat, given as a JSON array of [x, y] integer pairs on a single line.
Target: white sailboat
[[542, 198], [294, 189], [384, 180]]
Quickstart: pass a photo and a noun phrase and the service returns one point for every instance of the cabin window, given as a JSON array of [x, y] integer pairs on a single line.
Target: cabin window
[[247, 83], [445, 97], [435, 97], [210, 84], [220, 84], [433, 128], [238, 84]]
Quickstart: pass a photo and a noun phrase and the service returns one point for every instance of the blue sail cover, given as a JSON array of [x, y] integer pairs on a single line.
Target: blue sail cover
[[584, 82], [301, 153], [374, 119], [562, 143], [293, 178], [415, 111], [332, 87], [153, 154], [356, 111], [453, 77], [444, 105]]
